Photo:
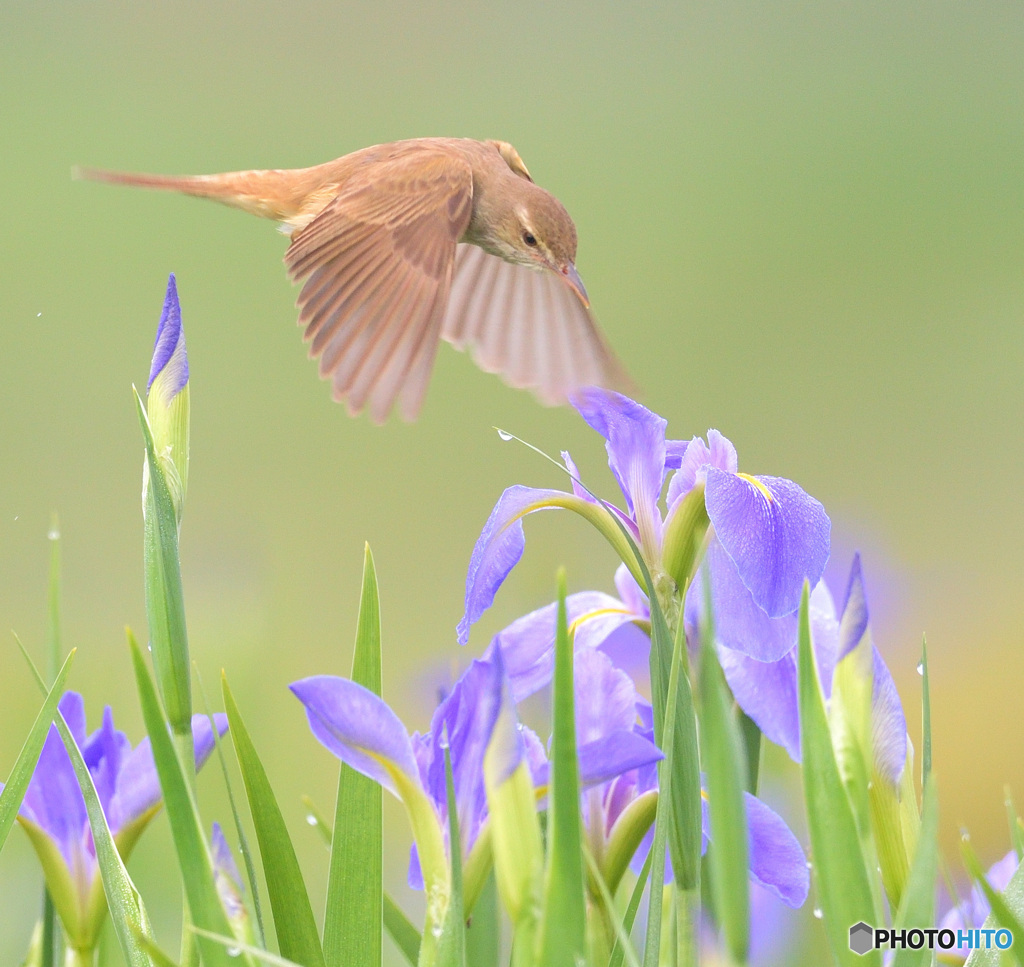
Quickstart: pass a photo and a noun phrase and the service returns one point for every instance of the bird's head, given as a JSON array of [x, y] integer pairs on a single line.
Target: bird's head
[[537, 231]]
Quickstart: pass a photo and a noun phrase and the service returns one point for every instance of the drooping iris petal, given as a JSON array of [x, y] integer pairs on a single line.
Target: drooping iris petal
[[498, 549], [527, 645], [739, 623], [358, 727], [636, 454], [605, 698], [776, 535], [767, 691], [170, 361], [776, 859]]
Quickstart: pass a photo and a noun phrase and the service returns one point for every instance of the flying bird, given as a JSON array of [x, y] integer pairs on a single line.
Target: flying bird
[[401, 245]]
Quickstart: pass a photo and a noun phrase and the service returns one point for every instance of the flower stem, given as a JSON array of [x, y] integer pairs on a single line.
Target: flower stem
[[79, 956]]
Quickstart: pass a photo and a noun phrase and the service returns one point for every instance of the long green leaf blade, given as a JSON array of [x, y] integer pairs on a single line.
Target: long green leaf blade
[[293, 916], [21, 774], [840, 873], [483, 941], [1007, 912], [451, 946], [723, 758], [400, 929], [353, 933], [562, 930], [190, 844], [917, 908]]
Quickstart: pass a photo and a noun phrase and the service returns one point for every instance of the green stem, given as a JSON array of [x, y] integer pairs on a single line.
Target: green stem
[[687, 926], [79, 957], [189, 946]]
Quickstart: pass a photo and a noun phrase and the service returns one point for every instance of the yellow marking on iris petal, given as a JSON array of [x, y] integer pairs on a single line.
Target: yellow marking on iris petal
[[596, 613], [765, 492]]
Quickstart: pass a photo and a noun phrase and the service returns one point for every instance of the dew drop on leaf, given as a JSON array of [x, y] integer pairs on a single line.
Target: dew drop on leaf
[[310, 819], [818, 914], [920, 668], [505, 435]]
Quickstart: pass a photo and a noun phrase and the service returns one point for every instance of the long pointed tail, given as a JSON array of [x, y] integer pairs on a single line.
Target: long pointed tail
[[259, 192]]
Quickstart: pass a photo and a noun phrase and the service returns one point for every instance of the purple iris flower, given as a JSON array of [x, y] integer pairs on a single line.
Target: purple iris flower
[[54, 816], [609, 708], [362, 730], [769, 535], [767, 691]]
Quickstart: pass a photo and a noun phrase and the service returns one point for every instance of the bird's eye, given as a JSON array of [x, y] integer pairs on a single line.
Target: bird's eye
[[529, 239]]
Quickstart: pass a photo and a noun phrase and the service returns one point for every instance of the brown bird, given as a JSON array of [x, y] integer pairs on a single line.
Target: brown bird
[[401, 245]]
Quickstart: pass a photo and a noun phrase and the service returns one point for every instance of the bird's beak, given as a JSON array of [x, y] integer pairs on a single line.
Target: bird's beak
[[573, 280]]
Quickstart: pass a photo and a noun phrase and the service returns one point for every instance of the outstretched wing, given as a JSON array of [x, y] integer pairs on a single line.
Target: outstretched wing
[[527, 325], [377, 264]]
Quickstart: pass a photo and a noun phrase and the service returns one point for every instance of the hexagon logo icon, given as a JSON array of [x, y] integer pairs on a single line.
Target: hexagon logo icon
[[862, 938]]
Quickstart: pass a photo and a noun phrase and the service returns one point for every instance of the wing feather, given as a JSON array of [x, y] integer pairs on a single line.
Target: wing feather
[[529, 326], [377, 265]]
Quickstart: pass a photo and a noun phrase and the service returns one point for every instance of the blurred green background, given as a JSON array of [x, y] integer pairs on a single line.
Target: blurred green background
[[800, 223]]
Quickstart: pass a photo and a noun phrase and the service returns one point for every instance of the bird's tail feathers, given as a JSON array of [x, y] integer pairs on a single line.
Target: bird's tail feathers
[[240, 189]]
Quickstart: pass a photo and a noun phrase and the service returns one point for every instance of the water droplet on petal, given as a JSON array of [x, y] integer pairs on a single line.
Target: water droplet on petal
[[810, 865], [818, 914], [505, 435], [310, 819], [920, 668]]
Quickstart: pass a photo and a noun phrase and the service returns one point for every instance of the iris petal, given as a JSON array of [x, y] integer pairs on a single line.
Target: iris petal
[[498, 549], [776, 859], [775, 533], [358, 727]]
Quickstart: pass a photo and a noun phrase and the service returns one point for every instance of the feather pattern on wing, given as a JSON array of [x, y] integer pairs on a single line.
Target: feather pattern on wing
[[377, 264], [527, 325]]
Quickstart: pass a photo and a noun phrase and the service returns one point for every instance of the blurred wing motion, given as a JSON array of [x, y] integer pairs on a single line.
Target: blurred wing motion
[[378, 267], [527, 325]]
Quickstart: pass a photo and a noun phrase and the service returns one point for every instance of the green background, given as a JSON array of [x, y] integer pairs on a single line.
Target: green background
[[800, 223]]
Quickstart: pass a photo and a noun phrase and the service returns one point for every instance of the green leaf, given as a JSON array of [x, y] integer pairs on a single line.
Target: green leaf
[[232, 944], [681, 766], [127, 911], [622, 941], [1007, 908], [723, 758], [51, 936], [668, 815], [21, 774], [353, 917], [401, 930], [917, 908], [840, 872], [483, 940], [190, 844], [451, 946], [631, 909], [165, 603], [293, 916], [562, 936], [243, 840]]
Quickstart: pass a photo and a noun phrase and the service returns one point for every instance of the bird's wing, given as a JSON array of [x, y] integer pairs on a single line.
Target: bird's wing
[[527, 325], [377, 264]]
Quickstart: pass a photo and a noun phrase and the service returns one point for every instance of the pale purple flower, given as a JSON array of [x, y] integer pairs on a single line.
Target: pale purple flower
[[769, 535]]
